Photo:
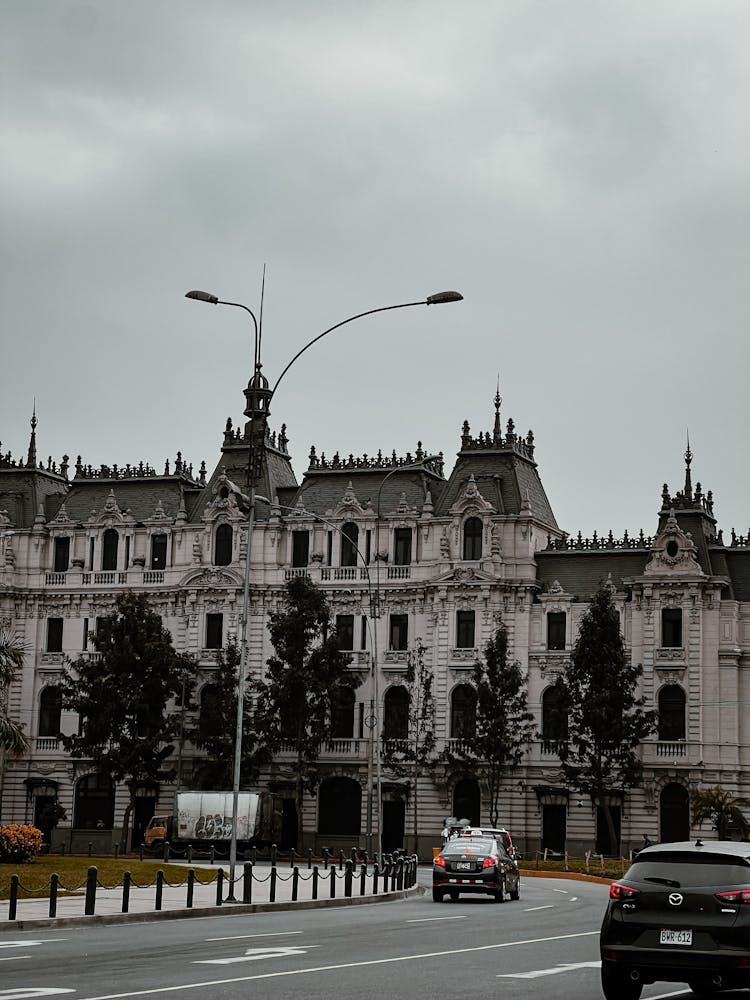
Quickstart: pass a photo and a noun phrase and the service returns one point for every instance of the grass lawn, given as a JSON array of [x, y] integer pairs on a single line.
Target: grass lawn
[[34, 877]]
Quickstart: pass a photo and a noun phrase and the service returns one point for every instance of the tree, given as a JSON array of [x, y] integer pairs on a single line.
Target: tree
[[302, 682], [12, 737], [217, 729], [722, 808], [606, 719], [414, 754], [122, 697], [504, 726]]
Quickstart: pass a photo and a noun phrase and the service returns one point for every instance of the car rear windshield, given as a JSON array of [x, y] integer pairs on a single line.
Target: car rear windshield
[[706, 870], [467, 845]]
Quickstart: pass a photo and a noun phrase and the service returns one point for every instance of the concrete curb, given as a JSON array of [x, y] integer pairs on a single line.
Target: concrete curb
[[226, 910], [573, 876]]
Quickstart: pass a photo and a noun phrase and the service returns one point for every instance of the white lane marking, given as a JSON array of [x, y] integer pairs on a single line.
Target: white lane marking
[[664, 996], [538, 973], [428, 920], [533, 909], [27, 944], [343, 965], [256, 954], [242, 937], [573, 899], [13, 958], [565, 891], [29, 992]]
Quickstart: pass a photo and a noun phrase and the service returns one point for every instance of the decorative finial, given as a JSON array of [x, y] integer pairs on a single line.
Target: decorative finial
[[31, 455], [497, 432], [688, 491]]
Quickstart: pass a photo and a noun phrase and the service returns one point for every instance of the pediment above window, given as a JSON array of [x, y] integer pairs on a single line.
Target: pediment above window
[[673, 551], [348, 506], [470, 499]]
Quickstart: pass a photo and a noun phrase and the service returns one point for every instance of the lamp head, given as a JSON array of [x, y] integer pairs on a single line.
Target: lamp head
[[440, 297], [202, 296]]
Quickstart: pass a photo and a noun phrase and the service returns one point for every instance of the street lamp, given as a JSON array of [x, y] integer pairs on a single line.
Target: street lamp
[[259, 398]]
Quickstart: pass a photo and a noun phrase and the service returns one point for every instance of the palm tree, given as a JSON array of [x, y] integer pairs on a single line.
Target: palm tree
[[12, 736], [722, 808]]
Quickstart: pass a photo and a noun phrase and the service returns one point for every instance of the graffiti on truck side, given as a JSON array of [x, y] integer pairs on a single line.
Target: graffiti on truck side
[[213, 826]]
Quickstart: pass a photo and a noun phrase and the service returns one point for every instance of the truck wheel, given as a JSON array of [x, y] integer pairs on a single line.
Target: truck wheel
[[156, 846]]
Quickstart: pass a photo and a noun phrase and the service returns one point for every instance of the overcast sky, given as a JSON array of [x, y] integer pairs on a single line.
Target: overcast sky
[[580, 171]]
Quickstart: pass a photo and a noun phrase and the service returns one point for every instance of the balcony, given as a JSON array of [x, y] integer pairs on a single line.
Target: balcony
[[290, 574], [399, 573], [463, 658], [351, 749], [395, 659], [55, 579], [344, 573], [663, 752], [46, 744], [153, 576], [360, 658]]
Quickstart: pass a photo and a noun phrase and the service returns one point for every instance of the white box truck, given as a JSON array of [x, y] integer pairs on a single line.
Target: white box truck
[[206, 817]]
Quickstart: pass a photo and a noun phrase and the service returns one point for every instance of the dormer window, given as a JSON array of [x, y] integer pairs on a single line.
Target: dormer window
[[110, 542], [349, 536], [473, 538]]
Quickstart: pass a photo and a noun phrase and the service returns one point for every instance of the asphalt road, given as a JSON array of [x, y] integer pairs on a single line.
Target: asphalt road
[[545, 945]]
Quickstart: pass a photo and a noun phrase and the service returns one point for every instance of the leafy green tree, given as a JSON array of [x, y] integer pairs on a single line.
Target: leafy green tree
[[722, 808], [606, 718], [414, 755], [12, 736], [217, 728], [122, 698], [504, 726], [302, 682]]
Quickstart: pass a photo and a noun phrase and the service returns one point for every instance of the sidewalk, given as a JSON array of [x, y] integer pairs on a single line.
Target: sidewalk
[[34, 913]]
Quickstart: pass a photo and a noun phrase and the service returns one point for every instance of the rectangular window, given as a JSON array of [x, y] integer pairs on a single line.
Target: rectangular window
[[345, 631], [300, 548], [127, 551], [671, 627], [158, 551], [214, 630], [363, 633], [399, 632], [54, 635], [556, 630], [368, 546], [329, 554], [402, 546], [91, 554], [62, 555], [465, 629], [85, 634]]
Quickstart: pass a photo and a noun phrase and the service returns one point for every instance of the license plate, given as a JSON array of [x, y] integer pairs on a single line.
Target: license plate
[[463, 866], [675, 937]]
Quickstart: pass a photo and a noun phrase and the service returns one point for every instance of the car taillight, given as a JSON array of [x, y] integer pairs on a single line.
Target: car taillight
[[619, 891], [440, 862], [735, 896], [488, 863]]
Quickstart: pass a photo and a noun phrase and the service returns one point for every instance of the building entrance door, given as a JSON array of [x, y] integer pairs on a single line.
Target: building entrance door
[[392, 834]]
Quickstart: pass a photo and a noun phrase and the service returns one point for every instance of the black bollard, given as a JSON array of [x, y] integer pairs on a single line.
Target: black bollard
[[212, 854], [140, 852], [91, 848], [53, 883], [348, 879], [362, 879], [315, 882], [190, 888], [125, 891], [309, 859], [332, 880], [247, 882], [117, 850], [90, 904], [375, 873], [273, 855], [190, 854], [295, 884], [159, 889], [341, 859], [272, 890], [219, 886], [13, 897]]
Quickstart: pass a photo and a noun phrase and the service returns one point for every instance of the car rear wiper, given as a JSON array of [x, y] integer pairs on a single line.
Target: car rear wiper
[[673, 883]]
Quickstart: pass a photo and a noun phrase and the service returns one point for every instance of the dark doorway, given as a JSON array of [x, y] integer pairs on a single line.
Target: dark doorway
[[288, 825], [674, 813], [394, 816], [94, 806], [145, 808], [340, 807], [43, 805], [467, 801], [554, 827]]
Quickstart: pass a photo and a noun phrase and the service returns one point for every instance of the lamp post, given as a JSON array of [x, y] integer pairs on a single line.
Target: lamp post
[[259, 398]]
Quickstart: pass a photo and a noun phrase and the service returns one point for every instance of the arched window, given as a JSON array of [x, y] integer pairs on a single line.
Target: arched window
[[342, 714], [110, 541], [223, 547], [473, 538], [463, 711], [94, 807], [50, 706], [340, 807], [672, 713], [349, 536], [554, 718], [467, 801], [396, 714], [210, 719]]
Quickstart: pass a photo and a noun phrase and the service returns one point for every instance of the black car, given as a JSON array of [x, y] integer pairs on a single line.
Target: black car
[[475, 865], [681, 913]]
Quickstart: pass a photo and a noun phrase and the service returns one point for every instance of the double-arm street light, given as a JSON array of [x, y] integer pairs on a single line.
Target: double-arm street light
[[259, 398]]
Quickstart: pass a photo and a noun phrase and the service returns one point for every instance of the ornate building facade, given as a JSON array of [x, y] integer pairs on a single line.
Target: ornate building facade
[[405, 554]]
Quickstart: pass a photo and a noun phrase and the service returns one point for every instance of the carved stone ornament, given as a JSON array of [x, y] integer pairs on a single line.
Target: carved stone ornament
[[211, 578], [348, 506], [673, 551], [470, 498]]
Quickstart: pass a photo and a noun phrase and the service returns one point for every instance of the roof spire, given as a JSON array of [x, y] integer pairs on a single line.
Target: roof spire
[[688, 491], [31, 457], [497, 433]]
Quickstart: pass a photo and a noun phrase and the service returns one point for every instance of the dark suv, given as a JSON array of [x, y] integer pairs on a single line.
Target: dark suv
[[680, 914]]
